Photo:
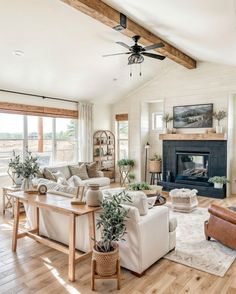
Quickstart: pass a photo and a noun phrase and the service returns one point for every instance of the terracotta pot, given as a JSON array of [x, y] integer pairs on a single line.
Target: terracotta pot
[[93, 195], [155, 166], [106, 262]]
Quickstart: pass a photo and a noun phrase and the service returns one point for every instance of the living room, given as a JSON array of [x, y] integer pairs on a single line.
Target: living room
[[143, 140]]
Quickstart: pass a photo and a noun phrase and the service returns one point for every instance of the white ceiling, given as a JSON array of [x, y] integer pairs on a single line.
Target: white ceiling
[[204, 29], [63, 51], [63, 48]]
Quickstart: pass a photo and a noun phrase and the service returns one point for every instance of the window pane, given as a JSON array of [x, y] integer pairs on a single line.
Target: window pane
[[65, 151], [123, 149], [11, 138], [66, 129], [157, 122], [40, 138], [123, 130]]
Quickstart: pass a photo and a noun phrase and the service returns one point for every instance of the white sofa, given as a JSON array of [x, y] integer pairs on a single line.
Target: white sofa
[[148, 237], [102, 181]]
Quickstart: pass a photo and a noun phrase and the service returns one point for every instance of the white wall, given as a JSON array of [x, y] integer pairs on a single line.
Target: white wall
[[102, 116], [176, 85]]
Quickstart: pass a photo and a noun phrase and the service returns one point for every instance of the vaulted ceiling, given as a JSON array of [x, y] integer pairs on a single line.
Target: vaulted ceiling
[[62, 48]]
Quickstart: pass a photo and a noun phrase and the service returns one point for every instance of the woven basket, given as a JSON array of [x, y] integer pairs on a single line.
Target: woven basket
[[106, 262], [155, 166]]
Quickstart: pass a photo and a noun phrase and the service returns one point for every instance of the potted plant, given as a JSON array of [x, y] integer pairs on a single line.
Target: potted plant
[[131, 177], [155, 164], [218, 181], [111, 222], [126, 163], [166, 118], [13, 163], [125, 167], [144, 187], [219, 116], [26, 169]]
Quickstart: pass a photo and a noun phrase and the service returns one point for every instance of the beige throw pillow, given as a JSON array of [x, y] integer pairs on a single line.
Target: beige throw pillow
[[49, 175], [79, 170], [92, 169]]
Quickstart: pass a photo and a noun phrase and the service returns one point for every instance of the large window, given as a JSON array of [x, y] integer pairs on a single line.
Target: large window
[[123, 139], [52, 140], [157, 121]]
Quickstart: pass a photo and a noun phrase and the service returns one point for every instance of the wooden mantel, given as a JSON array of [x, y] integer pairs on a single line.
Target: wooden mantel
[[191, 137]]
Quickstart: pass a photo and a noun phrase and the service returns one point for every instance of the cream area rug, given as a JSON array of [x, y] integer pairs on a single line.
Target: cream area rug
[[193, 250]]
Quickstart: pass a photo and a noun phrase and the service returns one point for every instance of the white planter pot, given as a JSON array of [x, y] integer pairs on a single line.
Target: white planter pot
[[218, 185], [93, 195], [219, 129]]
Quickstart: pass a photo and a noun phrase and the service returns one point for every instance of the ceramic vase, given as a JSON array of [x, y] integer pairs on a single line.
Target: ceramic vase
[[93, 195], [219, 129], [218, 185]]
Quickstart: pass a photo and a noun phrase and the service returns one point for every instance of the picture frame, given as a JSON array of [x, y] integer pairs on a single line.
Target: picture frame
[[193, 116]]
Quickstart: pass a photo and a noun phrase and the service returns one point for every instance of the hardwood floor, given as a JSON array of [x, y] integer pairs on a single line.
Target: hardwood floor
[[36, 268]]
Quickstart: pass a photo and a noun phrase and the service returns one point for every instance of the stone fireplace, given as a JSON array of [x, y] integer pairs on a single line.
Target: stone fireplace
[[190, 163]]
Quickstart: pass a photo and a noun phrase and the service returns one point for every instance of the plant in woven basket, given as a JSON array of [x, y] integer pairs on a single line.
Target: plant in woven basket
[[111, 221], [156, 157]]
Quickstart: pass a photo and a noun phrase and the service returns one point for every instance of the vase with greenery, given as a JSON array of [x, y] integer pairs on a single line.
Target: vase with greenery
[[166, 119], [13, 163], [218, 182], [27, 169], [155, 163], [111, 223], [219, 116]]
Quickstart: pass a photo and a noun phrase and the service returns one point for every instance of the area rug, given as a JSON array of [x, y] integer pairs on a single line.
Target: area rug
[[193, 250]]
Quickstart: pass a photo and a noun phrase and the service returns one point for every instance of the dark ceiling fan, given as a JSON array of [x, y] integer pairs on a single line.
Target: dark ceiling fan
[[138, 51]]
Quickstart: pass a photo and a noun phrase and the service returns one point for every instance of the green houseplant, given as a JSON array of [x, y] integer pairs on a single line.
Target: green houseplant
[[111, 222], [218, 181], [125, 167], [155, 163], [166, 119], [219, 116], [27, 169], [139, 186]]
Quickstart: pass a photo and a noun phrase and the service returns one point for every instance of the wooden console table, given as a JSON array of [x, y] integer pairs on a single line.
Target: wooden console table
[[7, 200], [61, 205]]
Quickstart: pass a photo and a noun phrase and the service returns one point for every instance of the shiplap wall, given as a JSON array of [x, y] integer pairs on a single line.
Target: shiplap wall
[[175, 85]]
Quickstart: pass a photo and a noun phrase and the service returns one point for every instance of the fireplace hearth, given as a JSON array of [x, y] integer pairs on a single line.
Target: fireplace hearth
[[189, 164]]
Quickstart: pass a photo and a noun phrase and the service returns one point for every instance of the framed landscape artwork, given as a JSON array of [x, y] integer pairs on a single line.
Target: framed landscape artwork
[[193, 116]]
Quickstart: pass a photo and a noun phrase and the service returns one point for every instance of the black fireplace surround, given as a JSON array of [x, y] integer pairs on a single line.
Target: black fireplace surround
[[189, 164]]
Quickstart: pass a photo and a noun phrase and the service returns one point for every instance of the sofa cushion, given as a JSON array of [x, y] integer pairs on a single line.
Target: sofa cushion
[[49, 175], [79, 170], [62, 181], [92, 169], [64, 169], [58, 175]]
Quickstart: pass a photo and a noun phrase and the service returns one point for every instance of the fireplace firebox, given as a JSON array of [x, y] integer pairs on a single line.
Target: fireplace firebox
[[190, 164]]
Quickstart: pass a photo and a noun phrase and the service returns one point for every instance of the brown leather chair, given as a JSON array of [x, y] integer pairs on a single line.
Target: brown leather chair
[[221, 226]]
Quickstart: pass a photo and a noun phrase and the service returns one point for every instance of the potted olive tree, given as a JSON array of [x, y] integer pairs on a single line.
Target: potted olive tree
[[111, 223], [219, 116], [166, 119], [218, 182], [155, 164]]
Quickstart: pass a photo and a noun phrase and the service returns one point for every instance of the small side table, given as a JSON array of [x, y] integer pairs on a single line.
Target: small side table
[[155, 178], [7, 200]]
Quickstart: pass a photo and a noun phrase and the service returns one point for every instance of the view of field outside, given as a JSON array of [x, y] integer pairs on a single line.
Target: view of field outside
[[53, 140], [123, 143]]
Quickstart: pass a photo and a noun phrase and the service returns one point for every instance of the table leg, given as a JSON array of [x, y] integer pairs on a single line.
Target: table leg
[[71, 271], [3, 201], [92, 235], [16, 224]]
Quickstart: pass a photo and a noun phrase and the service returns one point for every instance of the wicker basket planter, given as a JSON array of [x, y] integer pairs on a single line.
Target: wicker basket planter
[[155, 166], [106, 262]]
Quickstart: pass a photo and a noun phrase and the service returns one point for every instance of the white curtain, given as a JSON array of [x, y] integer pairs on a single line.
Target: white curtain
[[85, 128]]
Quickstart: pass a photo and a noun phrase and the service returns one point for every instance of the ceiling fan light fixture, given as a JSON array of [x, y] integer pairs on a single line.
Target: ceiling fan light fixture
[[135, 58]]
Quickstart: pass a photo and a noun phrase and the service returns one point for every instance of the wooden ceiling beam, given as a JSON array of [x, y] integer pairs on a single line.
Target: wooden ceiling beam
[[111, 17]]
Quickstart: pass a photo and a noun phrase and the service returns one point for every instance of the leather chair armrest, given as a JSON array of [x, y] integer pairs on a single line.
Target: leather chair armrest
[[223, 213]]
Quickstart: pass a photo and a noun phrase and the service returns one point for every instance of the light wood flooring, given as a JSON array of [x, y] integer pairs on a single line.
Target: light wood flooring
[[36, 268]]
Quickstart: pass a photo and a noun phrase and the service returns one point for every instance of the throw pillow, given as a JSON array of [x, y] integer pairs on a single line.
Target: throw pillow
[[58, 175], [49, 175], [79, 170], [151, 201], [92, 169], [62, 181]]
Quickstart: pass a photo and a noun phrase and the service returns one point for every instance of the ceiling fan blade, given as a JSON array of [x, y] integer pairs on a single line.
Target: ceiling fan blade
[[156, 56], [106, 55], [153, 46], [124, 45]]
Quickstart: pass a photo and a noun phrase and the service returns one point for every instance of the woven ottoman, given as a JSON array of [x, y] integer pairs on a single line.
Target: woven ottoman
[[184, 200]]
